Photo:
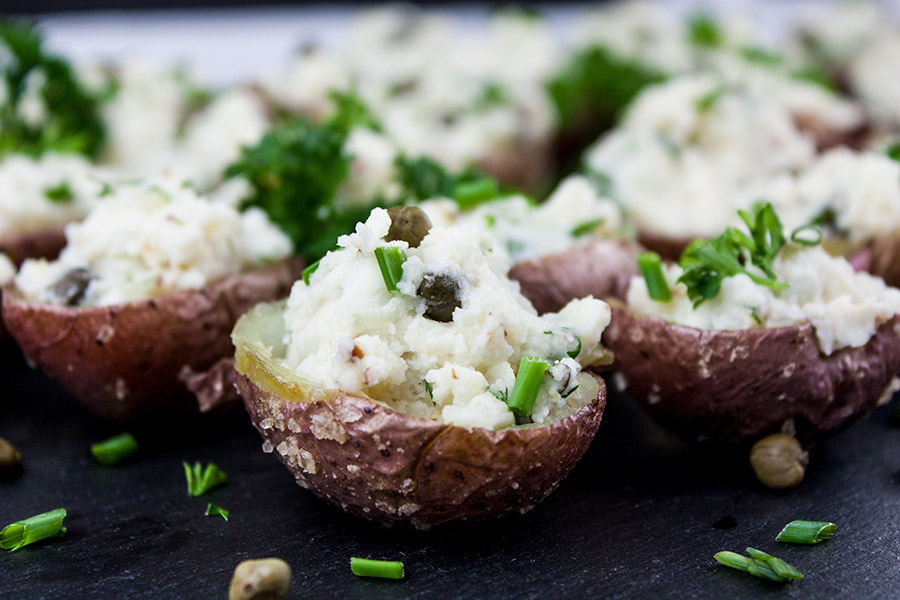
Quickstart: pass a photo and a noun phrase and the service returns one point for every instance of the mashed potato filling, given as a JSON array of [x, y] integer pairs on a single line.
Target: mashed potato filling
[[844, 306], [345, 330], [147, 239], [7, 269]]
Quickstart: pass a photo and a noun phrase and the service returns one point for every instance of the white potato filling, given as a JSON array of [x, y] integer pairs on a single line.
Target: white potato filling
[[346, 331], [844, 306], [573, 215], [45, 192], [7, 269], [151, 238]]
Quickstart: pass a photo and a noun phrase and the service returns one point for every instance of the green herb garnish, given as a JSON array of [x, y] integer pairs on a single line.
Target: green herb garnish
[[761, 56], [61, 193], [71, 120], [213, 510], [200, 480], [704, 32], [308, 271], [33, 529], [707, 262], [115, 450], [492, 95], [528, 383], [798, 236], [384, 569], [893, 151], [501, 395], [806, 532], [707, 101], [390, 261], [574, 352], [469, 194], [422, 178], [583, 229], [651, 268], [760, 564], [429, 390]]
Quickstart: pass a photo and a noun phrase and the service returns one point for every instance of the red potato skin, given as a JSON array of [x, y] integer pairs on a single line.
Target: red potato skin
[[881, 257], [736, 386], [601, 269], [45, 243], [523, 163], [126, 362], [386, 466]]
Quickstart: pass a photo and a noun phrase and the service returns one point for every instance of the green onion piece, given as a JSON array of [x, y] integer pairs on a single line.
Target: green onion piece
[[115, 450], [213, 510], [201, 480], [734, 560], [308, 271], [469, 194], [385, 569], [806, 532], [781, 569], [797, 236], [390, 261], [894, 151], [759, 564], [587, 227], [528, 382], [651, 268], [34, 529], [574, 352]]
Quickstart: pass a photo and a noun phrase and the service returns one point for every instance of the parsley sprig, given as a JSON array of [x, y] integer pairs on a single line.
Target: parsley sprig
[[707, 262]]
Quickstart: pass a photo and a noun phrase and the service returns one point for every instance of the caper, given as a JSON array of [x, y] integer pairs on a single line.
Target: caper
[[409, 224], [779, 461], [260, 579], [10, 460], [441, 294], [71, 287]]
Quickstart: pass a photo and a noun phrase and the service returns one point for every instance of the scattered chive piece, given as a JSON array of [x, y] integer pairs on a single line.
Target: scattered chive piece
[[390, 261], [651, 268], [577, 349], [565, 395], [472, 193], [806, 532], [34, 529], [798, 235], [704, 31], [587, 227], [894, 151], [213, 510], [200, 480], [759, 564], [61, 193], [528, 382], [385, 569], [308, 271], [115, 450]]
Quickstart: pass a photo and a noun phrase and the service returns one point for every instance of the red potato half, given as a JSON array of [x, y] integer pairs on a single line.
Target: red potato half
[[44, 243], [386, 466], [128, 361], [736, 386]]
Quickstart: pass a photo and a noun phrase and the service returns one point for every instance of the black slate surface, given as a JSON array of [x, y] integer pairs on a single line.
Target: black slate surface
[[641, 516]]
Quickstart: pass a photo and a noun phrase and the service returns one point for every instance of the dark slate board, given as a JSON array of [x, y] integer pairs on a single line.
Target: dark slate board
[[640, 516]]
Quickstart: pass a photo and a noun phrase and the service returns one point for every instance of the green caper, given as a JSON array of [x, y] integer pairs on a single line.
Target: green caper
[[10, 460], [442, 296], [409, 224], [779, 461], [260, 579], [71, 287]]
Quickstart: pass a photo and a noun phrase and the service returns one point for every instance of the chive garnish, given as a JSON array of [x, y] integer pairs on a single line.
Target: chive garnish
[[33, 529], [759, 564], [893, 151], [115, 450], [651, 268], [587, 227], [213, 510], [385, 569], [798, 235], [472, 193], [525, 389], [61, 193], [201, 480], [390, 261], [574, 352], [806, 532], [308, 271]]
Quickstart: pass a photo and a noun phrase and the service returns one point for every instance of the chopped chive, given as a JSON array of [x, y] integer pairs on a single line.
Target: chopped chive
[[33, 529], [568, 393], [781, 569], [201, 480], [491, 220], [213, 510], [893, 151], [587, 227], [115, 450], [577, 349], [61, 193], [502, 395], [308, 271], [385, 569], [469, 194], [759, 564], [651, 268], [798, 235], [806, 532], [528, 382], [390, 261]]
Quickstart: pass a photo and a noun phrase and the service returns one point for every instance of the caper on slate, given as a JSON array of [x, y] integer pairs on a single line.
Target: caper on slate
[[10, 460], [409, 224], [441, 294], [261, 579], [72, 286], [779, 461]]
